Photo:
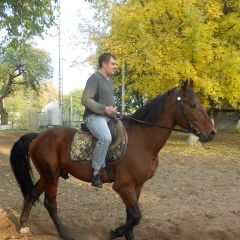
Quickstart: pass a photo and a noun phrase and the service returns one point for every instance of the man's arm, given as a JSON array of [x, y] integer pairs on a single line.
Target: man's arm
[[90, 91]]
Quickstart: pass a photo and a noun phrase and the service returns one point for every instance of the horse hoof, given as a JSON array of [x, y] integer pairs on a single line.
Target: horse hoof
[[66, 237], [112, 235], [129, 236], [25, 230]]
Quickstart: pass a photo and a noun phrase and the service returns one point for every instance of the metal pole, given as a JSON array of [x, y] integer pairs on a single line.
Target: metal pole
[[70, 117], [123, 88], [60, 80], [28, 97]]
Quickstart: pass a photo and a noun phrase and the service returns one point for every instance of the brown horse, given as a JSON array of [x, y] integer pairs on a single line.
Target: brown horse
[[148, 130]]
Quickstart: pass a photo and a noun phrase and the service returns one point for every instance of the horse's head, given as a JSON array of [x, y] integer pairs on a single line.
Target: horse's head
[[191, 114]]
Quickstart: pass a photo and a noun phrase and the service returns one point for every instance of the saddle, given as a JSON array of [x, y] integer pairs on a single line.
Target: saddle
[[84, 142]]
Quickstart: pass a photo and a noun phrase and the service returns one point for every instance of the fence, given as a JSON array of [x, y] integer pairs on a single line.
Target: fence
[[226, 119], [223, 120], [44, 120]]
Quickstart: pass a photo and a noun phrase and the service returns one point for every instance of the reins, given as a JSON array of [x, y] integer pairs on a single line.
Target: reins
[[155, 125], [180, 102]]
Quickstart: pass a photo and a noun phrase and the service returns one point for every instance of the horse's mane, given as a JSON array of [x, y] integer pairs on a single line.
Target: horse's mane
[[151, 111]]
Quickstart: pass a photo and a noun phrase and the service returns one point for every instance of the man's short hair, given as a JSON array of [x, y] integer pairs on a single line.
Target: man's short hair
[[105, 57]]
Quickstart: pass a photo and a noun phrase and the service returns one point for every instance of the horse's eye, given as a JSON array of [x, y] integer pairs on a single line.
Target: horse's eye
[[193, 105]]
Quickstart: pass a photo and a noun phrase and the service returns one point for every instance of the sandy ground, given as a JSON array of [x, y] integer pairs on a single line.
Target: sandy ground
[[194, 195]]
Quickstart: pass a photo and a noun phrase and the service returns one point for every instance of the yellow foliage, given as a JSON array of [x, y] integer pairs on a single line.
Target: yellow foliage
[[163, 42], [213, 9]]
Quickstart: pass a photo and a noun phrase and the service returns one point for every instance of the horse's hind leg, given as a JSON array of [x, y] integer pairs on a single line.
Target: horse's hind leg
[[51, 206], [36, 191]]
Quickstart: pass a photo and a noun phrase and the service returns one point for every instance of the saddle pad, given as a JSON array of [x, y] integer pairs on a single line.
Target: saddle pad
[[83, 145]]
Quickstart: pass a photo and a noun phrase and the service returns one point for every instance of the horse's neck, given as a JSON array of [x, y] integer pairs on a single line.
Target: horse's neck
[[159, 138], [151, 138]]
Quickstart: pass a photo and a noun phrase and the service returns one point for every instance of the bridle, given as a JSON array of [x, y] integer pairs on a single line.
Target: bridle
[[192, 130]]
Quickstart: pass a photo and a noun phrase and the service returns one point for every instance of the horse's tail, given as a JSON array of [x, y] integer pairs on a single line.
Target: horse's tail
[[19, 159]]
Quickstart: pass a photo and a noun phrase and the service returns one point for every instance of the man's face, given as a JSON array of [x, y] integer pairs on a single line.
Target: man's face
[[111, 67]]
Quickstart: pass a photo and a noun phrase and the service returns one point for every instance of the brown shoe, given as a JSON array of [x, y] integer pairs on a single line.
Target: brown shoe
[[97, 181]]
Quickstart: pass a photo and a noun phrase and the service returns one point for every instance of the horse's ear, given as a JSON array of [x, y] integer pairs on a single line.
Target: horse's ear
[[191, 84], [184, 85]]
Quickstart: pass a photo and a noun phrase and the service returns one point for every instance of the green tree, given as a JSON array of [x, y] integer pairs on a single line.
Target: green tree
[[27, 66], [21, 20], [72, 106], [14, 106], [24, 107], [47, 93]]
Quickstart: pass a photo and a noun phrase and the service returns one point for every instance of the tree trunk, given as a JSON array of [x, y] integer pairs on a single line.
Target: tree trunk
[[3, 113], [211, 113], [238, 124]]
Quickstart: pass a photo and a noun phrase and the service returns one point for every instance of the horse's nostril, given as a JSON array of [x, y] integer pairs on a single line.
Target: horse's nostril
[[212, 133]]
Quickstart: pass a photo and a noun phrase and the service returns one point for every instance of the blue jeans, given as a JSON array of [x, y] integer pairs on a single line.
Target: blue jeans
[[98, 126]]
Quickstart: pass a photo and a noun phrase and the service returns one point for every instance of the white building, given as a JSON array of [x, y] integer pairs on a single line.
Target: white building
[[53, 113]]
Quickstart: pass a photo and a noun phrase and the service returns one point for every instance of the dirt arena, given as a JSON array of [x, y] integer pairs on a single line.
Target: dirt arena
[[194, 195]]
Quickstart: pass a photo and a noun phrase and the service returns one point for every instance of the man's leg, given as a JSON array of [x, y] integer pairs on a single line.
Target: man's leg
[[99, 128]]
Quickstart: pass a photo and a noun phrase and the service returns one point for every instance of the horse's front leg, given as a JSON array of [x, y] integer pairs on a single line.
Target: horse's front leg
[[134, 219], [37, 190], [130, 234], [133, 215]]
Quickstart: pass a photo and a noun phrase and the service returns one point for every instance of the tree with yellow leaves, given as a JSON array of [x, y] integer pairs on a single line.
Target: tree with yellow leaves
[[164, 42]]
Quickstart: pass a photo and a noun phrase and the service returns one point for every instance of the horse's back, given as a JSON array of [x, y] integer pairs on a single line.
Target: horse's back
[[52, 143]]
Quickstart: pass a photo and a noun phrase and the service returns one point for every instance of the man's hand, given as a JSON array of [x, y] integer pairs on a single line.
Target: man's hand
[[109, 110]]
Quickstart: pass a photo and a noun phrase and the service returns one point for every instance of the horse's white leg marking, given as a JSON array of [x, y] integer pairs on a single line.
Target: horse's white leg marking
[[25, 230]]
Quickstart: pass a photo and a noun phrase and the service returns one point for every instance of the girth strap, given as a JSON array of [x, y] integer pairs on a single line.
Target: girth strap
[[109, 172]]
